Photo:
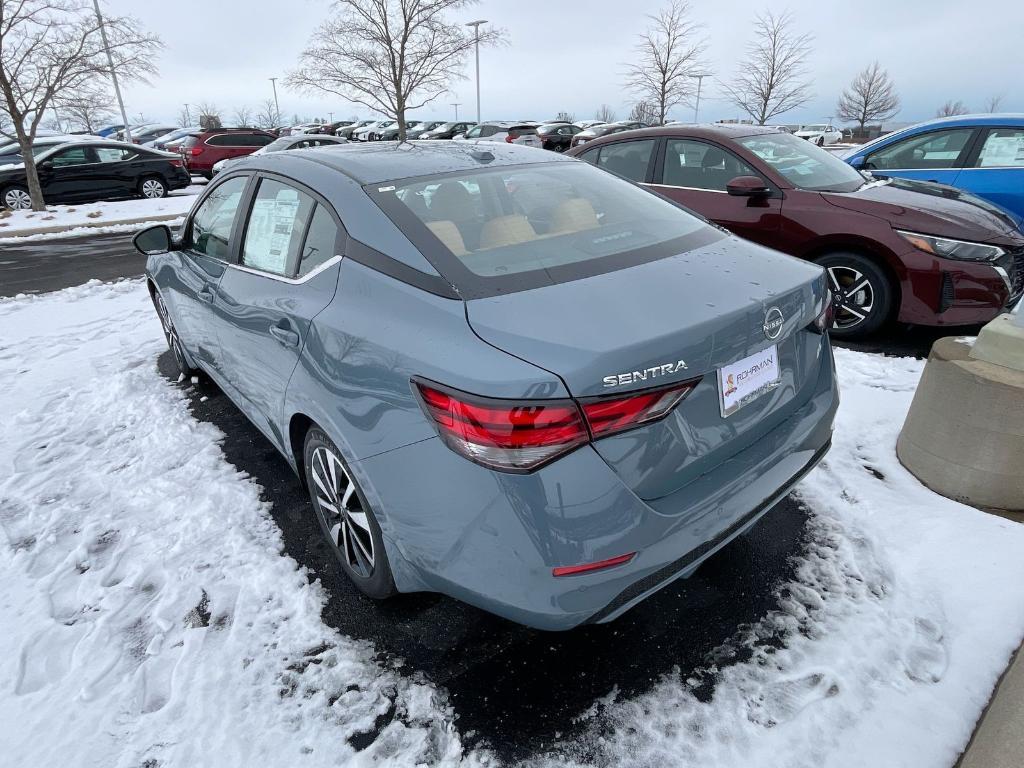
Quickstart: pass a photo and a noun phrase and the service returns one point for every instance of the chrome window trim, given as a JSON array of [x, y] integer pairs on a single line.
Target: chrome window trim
[[289, 280], [993, 168], [675, 186]]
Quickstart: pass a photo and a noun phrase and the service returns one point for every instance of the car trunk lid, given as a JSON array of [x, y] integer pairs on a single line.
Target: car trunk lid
[[676, 319]]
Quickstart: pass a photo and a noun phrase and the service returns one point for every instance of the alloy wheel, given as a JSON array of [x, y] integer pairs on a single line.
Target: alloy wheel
[[17, 199], [853, 297], [341, 510], [152, 188]]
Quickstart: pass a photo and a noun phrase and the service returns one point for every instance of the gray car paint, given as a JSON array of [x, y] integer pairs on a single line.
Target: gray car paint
[[685, 485]]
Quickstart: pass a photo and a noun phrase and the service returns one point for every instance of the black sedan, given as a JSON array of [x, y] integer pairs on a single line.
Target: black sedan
[[85, 171], [557, 136], [448, 130]]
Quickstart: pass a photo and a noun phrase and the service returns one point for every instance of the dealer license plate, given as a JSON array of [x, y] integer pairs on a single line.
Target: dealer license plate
[[746, 380]]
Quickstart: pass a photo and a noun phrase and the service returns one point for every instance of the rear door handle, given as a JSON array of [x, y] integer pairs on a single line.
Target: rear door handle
[[206, 295], [283, 335]]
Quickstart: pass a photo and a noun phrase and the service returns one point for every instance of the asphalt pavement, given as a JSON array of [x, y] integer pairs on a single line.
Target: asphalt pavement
[[51, 264]]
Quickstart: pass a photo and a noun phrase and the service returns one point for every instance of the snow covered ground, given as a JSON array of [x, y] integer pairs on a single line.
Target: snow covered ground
[[90, 218], [151, 618]]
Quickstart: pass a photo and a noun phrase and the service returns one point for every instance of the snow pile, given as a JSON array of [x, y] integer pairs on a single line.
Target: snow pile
[[89, 218], [884, 651], [149, 616]]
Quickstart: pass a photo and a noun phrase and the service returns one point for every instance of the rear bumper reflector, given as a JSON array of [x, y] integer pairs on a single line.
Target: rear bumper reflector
[[573, 570]]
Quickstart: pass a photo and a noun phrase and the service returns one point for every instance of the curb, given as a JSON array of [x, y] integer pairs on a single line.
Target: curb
[[998, 738], [55, 228]]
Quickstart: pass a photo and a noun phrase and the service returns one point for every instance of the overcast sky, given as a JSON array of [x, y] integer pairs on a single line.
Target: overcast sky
[[566, 55]]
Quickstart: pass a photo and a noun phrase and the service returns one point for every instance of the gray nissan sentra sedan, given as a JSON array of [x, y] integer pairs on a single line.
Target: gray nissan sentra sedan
[[503, 375]]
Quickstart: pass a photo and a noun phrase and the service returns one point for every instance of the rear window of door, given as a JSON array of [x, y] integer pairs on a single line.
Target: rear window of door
[[937, 149], [700, 165], [1003, 148], [629, 159], [225, 140], [210, 230], [114, 154], [288, 233]]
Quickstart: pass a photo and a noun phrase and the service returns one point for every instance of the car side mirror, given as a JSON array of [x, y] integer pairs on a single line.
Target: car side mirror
[[152, 240], [748, 186], [46, 165]]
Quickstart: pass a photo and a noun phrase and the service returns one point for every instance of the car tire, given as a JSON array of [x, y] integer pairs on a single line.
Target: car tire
[[152, 187], [821, 141], [16, 198], [345, 517], [171, 336], [862, 294]]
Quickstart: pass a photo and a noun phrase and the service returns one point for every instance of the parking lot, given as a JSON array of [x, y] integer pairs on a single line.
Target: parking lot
[[466, 385]]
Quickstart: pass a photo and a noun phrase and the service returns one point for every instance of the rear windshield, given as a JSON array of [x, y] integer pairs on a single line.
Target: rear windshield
[[516, 227]]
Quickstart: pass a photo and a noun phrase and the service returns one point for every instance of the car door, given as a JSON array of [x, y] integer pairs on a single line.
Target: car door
[[931, 156], [119, 169], [286, 273], [995, 169], [72, 174], [208, 245], [696, 172]]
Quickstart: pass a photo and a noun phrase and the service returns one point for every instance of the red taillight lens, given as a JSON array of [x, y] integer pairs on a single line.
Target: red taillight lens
[[607, 416], [512, 436], [196, 151], [823, 322], [521, 436], [176, 163], [510, 139]]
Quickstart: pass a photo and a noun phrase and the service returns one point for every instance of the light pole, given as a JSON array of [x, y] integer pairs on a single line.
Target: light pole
[[277, 107], [476, 28], [700, 81], [113, 73], [456, 104]]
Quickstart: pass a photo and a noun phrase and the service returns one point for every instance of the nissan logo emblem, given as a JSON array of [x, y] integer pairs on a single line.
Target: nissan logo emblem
[[773, 323]]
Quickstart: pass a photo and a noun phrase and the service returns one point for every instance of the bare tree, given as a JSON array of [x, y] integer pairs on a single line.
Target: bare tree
[[51, 50], [88, 109], [267, 116], [668, 54], [994, 103], [392, 56], [644, 112], [772, 79], [185, 117], [605, 114], [565, 117], [871, 96], [242, 116], [951, 109]]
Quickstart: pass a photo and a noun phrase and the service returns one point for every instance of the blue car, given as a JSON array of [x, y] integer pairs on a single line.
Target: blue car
[[982, 154], [503, 375]]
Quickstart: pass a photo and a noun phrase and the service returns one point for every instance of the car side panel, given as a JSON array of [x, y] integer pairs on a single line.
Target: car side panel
[[361, 352], [1002, 186]]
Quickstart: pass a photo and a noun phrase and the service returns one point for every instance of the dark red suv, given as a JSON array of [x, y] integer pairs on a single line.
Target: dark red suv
[[202, 150], [918, 252]]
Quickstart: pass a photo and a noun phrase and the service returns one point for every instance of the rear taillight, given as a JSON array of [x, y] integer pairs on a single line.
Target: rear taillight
[[177, 163], [823, 322], [606, 416], [513, 436], [524, 435], [510, 139], [194, 151]]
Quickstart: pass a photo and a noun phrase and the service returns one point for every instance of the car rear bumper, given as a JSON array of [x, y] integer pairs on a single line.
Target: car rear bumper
[[492, 539]]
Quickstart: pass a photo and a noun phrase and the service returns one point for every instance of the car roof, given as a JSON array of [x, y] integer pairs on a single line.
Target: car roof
[[717, 131], [373, 163]]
